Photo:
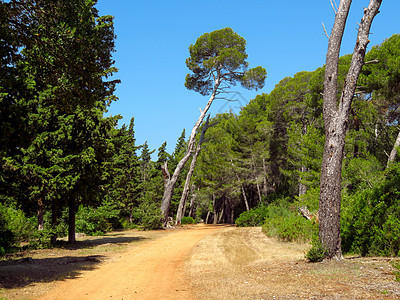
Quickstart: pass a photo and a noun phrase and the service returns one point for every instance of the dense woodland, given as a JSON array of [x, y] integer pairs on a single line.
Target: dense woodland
[[67, 168]]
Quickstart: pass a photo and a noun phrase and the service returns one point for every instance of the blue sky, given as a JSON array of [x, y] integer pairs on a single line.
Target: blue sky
[[285, 37]]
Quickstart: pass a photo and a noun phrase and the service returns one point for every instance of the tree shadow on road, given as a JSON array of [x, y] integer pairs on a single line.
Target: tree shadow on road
[[22, 272], [64, 261]]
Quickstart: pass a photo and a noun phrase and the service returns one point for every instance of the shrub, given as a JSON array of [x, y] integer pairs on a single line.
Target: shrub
[[41, 239], [6, 235], [22, 228], [317, 252], [188, 220], [288, 226], [151, 217], [371, 218], [254, 217], [95, 221], [396, 266]]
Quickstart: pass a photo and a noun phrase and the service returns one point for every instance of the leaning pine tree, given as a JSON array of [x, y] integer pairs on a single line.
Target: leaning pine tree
[[217, 62]]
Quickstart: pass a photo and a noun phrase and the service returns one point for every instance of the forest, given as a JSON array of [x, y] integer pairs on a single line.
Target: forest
[[66, 167]]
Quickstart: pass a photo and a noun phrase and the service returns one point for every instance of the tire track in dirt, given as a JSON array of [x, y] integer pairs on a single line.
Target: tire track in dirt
[[153, 270]]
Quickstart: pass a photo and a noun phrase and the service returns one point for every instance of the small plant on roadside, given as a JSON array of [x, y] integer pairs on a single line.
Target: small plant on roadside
[[396, 266], [41, 239], [317, 252], [254, 217], [187, 220]]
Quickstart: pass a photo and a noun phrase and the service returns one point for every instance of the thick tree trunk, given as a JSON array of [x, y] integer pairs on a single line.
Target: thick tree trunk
[[71, 220], [336, 119], [170, 184], [393, 153], [182, 202]]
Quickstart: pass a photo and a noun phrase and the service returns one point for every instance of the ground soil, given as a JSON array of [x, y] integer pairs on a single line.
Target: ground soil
[[194, 262]]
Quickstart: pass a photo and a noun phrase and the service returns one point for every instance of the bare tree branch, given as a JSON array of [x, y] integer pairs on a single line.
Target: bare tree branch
[[325, 32], [334, 6]]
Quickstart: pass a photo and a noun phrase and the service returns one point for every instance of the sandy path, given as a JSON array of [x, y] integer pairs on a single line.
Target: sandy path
[[153, 270]]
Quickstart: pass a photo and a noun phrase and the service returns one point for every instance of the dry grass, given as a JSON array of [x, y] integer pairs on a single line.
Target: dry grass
[[242, 263]]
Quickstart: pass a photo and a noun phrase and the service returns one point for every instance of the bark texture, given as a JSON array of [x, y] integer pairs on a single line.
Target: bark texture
[[336, 119]]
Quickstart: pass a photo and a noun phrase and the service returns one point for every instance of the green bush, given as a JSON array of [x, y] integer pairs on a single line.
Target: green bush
[[6, 236], [371, 218], [288, 226], [254, 217], [22, 228], [95, 221], [41, 239], [396, 266], [151, 217], [188, 220], [317, 252]]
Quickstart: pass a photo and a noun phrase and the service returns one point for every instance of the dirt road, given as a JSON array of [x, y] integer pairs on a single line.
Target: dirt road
[[196, 262], [150, 271]]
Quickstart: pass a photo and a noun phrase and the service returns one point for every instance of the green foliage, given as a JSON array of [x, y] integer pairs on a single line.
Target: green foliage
[[188, 220], [371, 218], [361, 173], [41, 239], [22, 228], [95, 221], [254, 217], [222, 53], [151, 217], [288, 226], [396, 266], [317, 252], [6, 235]]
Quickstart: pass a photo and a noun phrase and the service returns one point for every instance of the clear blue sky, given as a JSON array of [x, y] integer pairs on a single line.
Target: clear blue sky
[[153, 37]]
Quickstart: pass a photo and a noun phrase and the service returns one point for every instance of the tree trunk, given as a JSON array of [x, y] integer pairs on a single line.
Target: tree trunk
[[393, 153], [192, 202], [258, 191], [265, 187], [221, 214], [54, 219], [241, 187], [71, 220], [170, 184], [208, 215], [302, 186], [182, 202], [336, 120], [232, 215], [40, 214], [214, 209]]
